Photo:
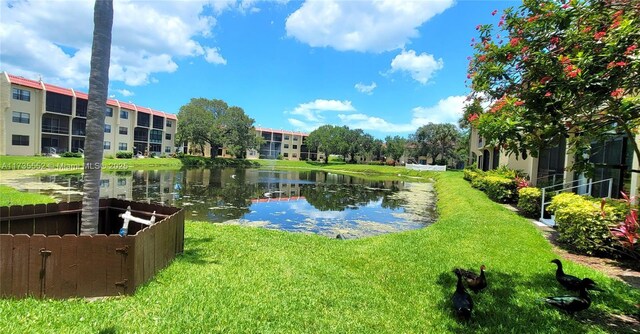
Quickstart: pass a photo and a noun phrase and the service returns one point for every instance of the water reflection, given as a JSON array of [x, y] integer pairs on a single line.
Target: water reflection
[[303, 201]]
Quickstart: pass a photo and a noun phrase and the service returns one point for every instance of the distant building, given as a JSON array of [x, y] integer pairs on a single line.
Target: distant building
[[40, 118], [276, 144]]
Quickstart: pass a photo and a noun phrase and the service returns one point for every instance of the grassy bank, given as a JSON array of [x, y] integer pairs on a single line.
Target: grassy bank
[[70, 164], [369, 171], [10, 196], [245, 280]]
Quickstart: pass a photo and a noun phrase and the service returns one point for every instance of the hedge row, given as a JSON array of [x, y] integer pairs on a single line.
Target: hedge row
[[499, 184], [193, 161], [581, 224]]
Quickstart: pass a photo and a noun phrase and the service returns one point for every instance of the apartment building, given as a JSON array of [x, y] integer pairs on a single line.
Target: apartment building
[[613, 159], [276, 144], [287, 145], [41, 118]]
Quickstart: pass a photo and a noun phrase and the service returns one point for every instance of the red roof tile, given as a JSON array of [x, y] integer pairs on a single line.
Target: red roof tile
[[82, 95], [171, 116], [112, 102], [59, 90], [282, 131], [157, 113], [14, 79], [129, 106], [144, 110]]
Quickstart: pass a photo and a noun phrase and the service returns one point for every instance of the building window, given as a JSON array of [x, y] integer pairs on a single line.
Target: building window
[[122, 146], [20, 117], [167, 149], [167, 136], [168, 124], [123, 130], [124, 114], [107, 128], [286, 145], [108, 112], [58, 103], [158, 121], [286, 137], [295, 155], [104, 183], [122, 181], [155, 136], [107, 145], [295, 138], [19, 140], [81, 107], [21, 94], [295, 147], [286, 155], [143, 119]]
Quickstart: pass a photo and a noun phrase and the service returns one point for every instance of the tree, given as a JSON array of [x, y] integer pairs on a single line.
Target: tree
[[239, 132], [96, 108], [354, 143], [325, 139], [567, 69], [377, 149], [203, 121], [395, 147]]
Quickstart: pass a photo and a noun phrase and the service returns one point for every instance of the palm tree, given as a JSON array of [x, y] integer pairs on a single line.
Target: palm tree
[[98, 89]]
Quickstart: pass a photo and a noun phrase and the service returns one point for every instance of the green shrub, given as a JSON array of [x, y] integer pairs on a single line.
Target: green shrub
[[70, 154], [580, 222], [124, 155], [529, 201], [471, 173], [500, 189], [108, 156]]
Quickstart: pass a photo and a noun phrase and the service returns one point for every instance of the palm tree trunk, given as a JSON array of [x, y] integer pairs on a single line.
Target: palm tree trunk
[[98, 90]]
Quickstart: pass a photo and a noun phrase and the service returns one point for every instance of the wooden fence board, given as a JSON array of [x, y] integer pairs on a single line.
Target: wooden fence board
[[149, 252], [158, 247], [53, 269], [69, 266], [40, 208], [6, 264], [128, 267], [36, 261], [85, 262], [138, 273], [114, 262], [20, 280], [99, 269]]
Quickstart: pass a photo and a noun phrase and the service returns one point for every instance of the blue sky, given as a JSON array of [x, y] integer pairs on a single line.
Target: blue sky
[[387, 67]]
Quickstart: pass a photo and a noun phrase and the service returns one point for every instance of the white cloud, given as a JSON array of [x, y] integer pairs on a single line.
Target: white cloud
[[125, 92], [311, 112], [361, 25], [366, 89], [447, 110], [421, 67], [213, 56], [147, 38]]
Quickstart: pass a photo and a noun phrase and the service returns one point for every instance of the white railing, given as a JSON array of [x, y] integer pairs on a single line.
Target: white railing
[[548, 190], [432, 168]]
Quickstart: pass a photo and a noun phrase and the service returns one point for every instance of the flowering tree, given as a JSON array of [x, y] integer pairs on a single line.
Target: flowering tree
[[558, 68]]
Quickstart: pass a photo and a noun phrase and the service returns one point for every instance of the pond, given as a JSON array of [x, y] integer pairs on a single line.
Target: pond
[[299, 201]]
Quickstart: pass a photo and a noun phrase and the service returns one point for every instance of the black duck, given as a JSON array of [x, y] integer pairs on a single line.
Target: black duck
[[462, 302], [474, 281], [571, 282], [572, 304]]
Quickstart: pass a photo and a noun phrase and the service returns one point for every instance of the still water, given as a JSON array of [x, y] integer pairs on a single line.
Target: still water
[[314, 202]]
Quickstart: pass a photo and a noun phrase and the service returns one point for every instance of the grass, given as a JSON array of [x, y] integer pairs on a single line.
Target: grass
[[10, 196], [235, 279], [370, 171], [65, 164]]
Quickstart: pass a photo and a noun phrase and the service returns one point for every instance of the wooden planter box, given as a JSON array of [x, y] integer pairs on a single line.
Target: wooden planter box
[[42, 255]]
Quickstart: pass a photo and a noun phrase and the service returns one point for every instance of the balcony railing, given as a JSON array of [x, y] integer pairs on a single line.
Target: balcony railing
[[55, 129]]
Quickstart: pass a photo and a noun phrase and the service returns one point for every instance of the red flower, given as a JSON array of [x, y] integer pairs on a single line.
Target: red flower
[[478, 27], [495, 11], [599, 35], [545, 80], [565, 6], [482, 58], [472, 117], [533, 18], [630, 49], [509, 56], [514, 41], [518, 103], [525, 48], [501, 23], [547, 94], [554, 40], [586, 30], [618, 92], [621, 64]]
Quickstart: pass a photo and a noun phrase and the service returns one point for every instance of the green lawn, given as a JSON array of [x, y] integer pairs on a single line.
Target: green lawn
[[245, 280], [10, 196]]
